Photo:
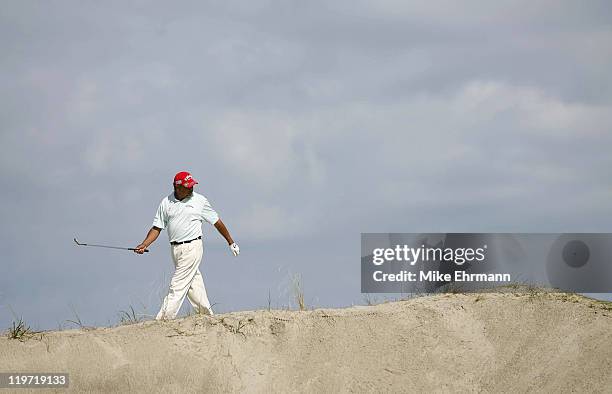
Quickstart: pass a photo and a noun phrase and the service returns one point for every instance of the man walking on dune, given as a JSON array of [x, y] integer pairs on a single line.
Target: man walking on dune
[[182, 213]]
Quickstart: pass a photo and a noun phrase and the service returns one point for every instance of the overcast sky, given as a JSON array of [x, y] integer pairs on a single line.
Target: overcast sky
[[306, 124]]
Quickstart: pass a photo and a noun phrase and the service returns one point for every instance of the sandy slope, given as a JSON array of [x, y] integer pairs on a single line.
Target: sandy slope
[[509, 342]]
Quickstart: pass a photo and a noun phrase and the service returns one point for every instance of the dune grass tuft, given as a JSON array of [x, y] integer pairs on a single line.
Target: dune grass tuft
[[129, 317], [77, 320], [20, 331], [369, 299], [298, 292]]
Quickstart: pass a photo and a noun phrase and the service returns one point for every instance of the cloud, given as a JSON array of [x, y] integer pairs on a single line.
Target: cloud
[[268, 149], [261, 222], [535, 110]]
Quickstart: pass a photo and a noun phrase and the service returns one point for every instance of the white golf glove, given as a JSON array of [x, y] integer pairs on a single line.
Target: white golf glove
[[235, 249]]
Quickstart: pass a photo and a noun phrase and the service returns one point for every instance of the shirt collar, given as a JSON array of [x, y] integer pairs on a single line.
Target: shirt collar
[[174, 199]]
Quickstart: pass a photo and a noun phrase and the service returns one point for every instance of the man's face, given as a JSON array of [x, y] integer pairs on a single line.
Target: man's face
[[182, 191]]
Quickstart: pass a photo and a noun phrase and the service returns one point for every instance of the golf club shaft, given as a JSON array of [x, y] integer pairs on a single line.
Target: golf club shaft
[[112, 247], [105, 246]]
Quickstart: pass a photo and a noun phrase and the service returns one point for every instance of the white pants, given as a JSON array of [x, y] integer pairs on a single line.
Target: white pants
[[187, 280]]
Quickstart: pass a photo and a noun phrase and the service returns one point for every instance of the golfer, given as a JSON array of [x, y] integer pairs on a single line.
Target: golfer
[[182, 213]]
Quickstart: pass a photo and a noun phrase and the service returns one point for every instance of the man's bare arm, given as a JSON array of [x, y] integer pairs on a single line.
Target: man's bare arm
[[150, 238], [223, 231]]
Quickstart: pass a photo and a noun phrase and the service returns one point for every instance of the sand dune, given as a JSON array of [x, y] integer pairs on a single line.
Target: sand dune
[[495, 342]]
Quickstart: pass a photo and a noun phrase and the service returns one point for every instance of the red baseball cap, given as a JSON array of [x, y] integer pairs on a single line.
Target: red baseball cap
[[184, 178]]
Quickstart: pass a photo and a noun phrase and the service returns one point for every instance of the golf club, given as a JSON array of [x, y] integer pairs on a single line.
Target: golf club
[[104, 246]]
